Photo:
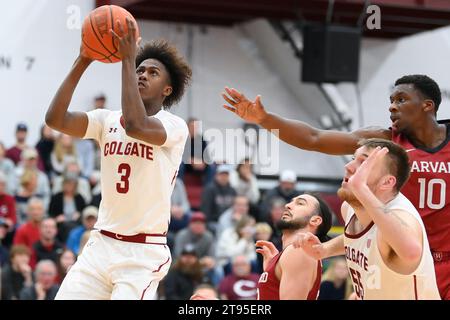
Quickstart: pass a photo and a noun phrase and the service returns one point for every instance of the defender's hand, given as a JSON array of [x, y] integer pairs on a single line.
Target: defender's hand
[[251, 111]]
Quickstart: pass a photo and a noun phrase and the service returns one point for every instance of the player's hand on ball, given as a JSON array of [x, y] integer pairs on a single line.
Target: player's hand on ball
[[310, 244], [83, 55], [251, 111], [128, 44]]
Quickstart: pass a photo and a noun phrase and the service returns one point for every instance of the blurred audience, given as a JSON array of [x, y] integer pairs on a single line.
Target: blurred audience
[[336, 284], [29, 233], [244, 181], [89, 218], [232, 215], [48, 247], [241, 284], [45, 147], [7, 167], [65, 261], [66, 207], [197, 235], [44, 288], [185, 274], [237, 241], [17, 274], [285, 190], [63, 152], [218, 196]]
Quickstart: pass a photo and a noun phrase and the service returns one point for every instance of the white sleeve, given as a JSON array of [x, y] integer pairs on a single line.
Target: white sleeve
[[96, 120], [176, 130]]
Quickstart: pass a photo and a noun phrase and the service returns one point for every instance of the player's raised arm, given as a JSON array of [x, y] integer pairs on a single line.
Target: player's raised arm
[[318, 250], [298, 133], [137, 124], [398, 228], [57, 116]]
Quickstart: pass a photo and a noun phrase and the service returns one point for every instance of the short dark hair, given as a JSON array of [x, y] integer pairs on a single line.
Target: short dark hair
[[399, 162], [325, 212], [179, 71], [425, 85]]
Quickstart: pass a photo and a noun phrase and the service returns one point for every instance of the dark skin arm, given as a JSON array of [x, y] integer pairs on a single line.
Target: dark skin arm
[[298, 133], [137, 124], [57, 116]]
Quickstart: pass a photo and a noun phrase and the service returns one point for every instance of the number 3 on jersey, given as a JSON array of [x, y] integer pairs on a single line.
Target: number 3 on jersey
[[125, 171]]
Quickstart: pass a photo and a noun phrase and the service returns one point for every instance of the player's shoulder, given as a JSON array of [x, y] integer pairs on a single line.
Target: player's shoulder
[[174, 120], [296, 257]]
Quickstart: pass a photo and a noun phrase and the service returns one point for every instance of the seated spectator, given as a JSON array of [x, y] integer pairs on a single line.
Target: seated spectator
[[7, 206], [48, 247], [243, 180], [197, 235], [44, 287], [65, 261], [7, 167], [336, 284], [45, 147], [212, 270], [231, 216], [237, 241], [285, 190], [241, 284], [197, 165], [72, 170], [63, 152], [29, 161], [14, 153], [218, 196], [27, 190], [17, 274], [29, 233], [276, 210], [3, 247], [205, 291], [179, 211], [184, 275], [89, 218], [66, 208], [264, 232]]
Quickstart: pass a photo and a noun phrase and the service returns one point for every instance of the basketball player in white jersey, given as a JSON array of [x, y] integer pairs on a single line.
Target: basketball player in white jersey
[[384, 242], [141, 145]]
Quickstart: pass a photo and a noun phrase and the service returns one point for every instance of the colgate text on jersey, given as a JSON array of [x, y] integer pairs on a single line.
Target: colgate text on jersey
[[130, 148]]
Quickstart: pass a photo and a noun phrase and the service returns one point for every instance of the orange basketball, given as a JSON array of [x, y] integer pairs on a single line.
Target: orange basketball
[[97, 42]]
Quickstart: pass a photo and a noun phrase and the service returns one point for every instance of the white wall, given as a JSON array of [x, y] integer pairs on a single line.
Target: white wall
[[384, 61]]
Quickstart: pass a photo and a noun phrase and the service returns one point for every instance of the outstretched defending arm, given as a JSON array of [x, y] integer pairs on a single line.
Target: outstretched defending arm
[[57, 116], [298, 133]]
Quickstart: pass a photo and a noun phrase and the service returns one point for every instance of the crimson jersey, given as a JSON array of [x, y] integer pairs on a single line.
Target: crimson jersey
[[428, 188], [269, 284]]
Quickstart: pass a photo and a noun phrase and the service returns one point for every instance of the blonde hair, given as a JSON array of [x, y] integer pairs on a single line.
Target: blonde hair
[[26, 177], [263, 227], [61, 151], [329, 275]]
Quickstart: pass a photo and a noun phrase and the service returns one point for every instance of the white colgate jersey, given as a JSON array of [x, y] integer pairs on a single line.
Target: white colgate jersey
[[137, 178], [372, 278]]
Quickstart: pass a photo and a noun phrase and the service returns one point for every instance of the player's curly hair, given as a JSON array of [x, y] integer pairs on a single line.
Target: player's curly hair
[[179, 71], [425, 85]]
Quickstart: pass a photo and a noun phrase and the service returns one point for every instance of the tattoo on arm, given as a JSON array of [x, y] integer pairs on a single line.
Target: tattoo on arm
[[394, 214]]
